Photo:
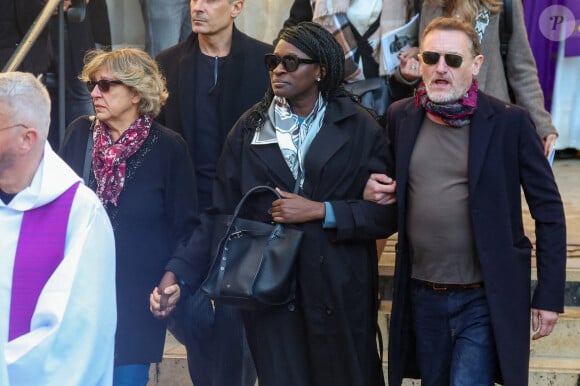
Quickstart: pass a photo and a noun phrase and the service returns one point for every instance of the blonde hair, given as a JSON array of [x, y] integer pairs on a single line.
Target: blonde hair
[[136, 69], [467, 9]]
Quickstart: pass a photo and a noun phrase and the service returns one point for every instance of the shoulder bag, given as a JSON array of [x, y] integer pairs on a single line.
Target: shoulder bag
[[254, 262]]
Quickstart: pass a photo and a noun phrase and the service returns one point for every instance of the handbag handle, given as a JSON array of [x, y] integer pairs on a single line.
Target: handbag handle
[[277, 229], [249, 193]]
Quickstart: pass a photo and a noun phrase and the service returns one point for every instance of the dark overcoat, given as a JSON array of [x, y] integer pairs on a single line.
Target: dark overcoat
[[337, 268], [155, 213], [16, 17], [243, 82], [505, 155]]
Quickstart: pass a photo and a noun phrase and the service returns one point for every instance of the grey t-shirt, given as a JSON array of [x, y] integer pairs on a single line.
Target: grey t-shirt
[[438, 223]]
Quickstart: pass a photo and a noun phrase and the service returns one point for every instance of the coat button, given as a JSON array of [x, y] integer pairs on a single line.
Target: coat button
[[291, 307], [329, 311]]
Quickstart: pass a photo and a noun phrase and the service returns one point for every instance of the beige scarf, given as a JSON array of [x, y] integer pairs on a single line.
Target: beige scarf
[[363, 13]]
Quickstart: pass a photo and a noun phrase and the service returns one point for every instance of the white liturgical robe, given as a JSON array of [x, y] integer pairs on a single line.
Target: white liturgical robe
[[72, 330]]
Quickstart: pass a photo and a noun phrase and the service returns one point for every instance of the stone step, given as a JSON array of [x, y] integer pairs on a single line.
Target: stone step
[[554, 360], [544, 371]]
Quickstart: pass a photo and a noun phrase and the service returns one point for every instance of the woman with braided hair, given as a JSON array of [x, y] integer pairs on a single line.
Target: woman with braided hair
[[310, 137]]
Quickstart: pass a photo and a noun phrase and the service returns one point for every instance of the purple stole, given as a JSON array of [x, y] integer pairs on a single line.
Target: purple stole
[[39, 251], [572, 47]]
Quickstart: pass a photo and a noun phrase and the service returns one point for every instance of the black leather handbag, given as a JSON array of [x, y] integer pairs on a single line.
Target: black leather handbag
[[254, 262]]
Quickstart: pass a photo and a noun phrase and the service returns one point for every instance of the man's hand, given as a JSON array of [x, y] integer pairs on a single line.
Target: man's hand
[[381, 189], [163, 298], [295, 209], [543, 322], [68, 3], [549, 143]]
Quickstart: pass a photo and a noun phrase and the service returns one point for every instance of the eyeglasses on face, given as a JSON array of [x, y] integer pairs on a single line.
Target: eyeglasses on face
[[13, 126], [452, 60], [290, 62], [104, 84]]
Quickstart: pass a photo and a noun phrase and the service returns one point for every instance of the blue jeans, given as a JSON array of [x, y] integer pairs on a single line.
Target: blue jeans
[[131, 375], [167, 22], [455, 343]]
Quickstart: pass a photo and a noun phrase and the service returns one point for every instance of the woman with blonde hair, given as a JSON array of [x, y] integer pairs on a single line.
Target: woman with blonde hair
[[142, 173]]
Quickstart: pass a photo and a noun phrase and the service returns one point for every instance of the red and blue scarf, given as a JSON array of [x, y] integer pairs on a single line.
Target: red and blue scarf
[[456, 114]]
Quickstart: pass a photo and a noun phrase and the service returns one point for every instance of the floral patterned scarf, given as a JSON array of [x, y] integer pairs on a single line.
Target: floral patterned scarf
[[110, 158], [456, 114]]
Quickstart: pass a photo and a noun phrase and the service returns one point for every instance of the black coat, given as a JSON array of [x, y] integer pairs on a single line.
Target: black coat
[[244, 81], [155, 213], [505, 155], [337, 268], [16, 17]]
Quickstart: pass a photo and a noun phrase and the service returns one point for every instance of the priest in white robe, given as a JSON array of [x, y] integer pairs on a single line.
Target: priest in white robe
[[57, 256]]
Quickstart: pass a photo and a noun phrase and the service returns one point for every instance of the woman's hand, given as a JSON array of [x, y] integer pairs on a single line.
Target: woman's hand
[[295, 209], [163, 298], [409, 65]]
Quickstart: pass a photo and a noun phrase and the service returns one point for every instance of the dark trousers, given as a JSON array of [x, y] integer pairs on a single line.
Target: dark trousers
[[277, 338], [217, 350], [455, 343]]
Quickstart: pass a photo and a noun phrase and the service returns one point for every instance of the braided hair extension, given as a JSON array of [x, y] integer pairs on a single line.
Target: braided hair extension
[[320, 45]]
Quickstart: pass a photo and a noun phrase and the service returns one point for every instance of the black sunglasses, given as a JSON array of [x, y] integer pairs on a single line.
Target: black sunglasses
[[104, 84], [452, 60], [290, 62]]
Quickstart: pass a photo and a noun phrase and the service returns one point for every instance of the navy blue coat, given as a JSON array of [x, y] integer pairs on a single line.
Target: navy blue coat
[[244, 81], [156, 212], [505, 155], [337, 268]]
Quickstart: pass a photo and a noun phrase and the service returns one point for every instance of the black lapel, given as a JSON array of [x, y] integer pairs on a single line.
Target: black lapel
[[187, 86], [407, 129], [479, 138]]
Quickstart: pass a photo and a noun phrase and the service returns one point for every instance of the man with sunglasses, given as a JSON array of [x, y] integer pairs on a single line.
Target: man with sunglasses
[[461, 309], [212, 78]]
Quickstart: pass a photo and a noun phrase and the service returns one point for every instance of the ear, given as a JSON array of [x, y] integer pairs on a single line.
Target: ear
[[135, 98], [476, 65], [323, 72], [236, 8], [28, 139]]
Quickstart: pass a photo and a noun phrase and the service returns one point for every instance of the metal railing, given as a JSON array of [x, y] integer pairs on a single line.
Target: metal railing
[[75, 13]]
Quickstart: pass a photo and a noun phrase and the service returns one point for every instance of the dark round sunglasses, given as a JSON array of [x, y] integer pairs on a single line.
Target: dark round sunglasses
[[104, 84], [452, 60], [290, 62]]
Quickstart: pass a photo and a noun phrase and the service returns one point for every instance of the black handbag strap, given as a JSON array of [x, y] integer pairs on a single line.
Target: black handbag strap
[[89, 152], [505, 29], [250, 193]]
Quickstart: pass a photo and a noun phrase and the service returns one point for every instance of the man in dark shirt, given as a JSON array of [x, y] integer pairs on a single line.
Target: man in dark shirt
[[212, 78]]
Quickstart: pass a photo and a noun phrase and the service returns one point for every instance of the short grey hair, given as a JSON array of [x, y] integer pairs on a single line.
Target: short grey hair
[[25, 100]]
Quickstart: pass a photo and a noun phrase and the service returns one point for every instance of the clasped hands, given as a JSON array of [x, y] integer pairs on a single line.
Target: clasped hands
[[164, 297]]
